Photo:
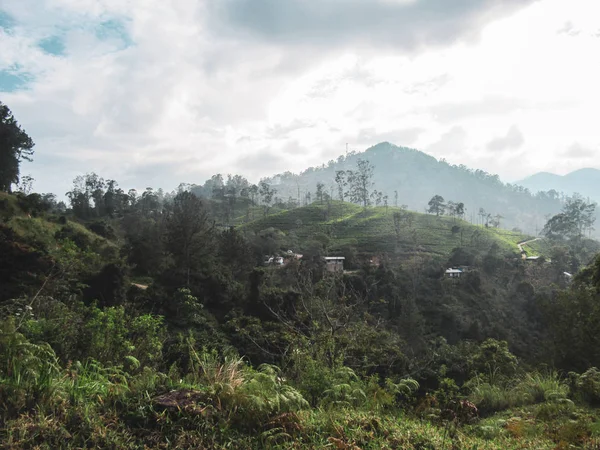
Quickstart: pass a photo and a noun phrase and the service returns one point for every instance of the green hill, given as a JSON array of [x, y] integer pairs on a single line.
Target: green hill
[[376, 230], [416, 177]]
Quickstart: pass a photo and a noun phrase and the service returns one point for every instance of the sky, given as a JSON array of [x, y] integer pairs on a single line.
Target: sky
[[158, 92]]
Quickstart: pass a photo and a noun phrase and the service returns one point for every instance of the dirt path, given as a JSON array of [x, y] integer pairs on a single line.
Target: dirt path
[[521, 244]]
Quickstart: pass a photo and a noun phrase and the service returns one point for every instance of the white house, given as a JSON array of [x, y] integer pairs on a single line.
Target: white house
[[334, 263], [453, 273]]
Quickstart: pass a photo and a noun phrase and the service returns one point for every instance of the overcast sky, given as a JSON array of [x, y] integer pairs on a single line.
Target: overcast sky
[[157, 92]]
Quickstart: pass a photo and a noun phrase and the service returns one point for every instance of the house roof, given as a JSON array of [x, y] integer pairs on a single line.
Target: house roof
[[332, 258], [453, 271]]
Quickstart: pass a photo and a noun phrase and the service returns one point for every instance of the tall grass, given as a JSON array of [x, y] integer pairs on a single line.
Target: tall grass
[[530, 388]]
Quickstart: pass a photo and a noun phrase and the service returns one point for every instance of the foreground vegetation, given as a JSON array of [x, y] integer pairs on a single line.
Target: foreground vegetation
[[284, 358]]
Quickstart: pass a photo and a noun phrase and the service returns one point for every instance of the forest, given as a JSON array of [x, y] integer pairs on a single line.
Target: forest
[[155, 320]]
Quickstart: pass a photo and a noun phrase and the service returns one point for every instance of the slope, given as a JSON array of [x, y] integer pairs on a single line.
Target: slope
[[380, 230]]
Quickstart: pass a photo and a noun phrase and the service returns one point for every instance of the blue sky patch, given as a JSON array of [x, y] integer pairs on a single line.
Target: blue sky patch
[[12, 80], [53, 45], [6, 21], [114, 30]]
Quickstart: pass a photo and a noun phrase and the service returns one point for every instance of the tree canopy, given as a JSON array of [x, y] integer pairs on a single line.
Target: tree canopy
[[15, 146]]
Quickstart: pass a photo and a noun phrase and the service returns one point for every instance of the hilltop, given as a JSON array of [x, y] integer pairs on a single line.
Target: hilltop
[[417, 177]]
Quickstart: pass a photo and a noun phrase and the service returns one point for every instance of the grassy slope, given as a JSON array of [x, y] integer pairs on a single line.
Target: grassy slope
[[374, 231], [41, 231], [541, 247]]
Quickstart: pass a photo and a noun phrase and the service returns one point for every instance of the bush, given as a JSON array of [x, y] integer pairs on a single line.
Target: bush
[[586, 387], [249, 397], [101, 228], [541, 387], [80, 239], [491, 398], [493, 360], [111, 336]]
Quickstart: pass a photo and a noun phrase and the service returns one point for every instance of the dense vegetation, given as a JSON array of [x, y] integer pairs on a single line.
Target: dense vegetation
[[140, 321]]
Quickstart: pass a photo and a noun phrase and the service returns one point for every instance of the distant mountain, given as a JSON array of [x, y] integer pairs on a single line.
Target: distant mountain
[[417, 177], [583, 181]]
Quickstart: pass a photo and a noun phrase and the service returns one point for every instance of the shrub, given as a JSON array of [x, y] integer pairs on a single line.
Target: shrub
[[493, 360], [491, 398], [541, 387], [101, 228], [248, 397], [586, 387], [69, 232], [28, 372], [110, 336]]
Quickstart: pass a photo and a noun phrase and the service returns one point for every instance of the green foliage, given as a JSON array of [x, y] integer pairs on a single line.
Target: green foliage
[[27, 372], [586, 387], [15, 146], [530, 388], [243, 394], [493, 360], [573, 319], [111, 336], [371, 231]]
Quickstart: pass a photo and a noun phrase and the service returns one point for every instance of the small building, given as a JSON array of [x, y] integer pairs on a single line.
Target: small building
[[334, 263], [453, 273]]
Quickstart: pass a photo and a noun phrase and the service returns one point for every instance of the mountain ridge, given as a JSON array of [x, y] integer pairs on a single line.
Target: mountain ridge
[[585, 181]]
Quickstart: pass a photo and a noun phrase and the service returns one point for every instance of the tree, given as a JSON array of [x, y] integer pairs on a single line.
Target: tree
[[188, 232], [451, 208], [15, 146], [496, 220], [319, 193], [482, 214], [79, 198], [459, 209], [377, 197], [396, 199], [360, 182], [436, 205], [340, 179], [267, 193], [577, 217]]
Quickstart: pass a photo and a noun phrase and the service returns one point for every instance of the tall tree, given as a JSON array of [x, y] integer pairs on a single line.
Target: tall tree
[[266, 192], [189, 232], [15, 146], [360, 182], [340, 179], [436, 205], [459, 209], [319, 193]]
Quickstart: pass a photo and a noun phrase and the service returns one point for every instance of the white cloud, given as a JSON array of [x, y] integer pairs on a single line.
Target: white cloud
[[171, 98]]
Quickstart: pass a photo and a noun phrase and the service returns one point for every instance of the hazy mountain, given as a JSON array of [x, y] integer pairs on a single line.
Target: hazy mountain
[[417, 177], [584, 181]]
